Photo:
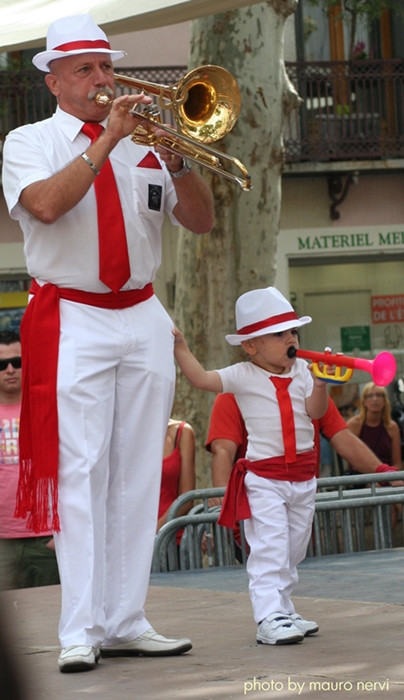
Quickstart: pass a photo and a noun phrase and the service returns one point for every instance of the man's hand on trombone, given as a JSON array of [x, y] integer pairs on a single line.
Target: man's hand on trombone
[[123, 118]]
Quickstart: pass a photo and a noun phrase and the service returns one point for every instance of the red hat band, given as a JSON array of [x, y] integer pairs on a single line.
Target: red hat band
[[268, 322], [77, 45]]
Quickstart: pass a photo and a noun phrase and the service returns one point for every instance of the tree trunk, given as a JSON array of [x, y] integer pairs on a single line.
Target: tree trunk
[[240, 253]]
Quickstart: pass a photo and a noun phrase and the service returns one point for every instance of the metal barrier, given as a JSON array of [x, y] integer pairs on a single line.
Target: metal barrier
[[204, 543], [338, 527], [341, 514]]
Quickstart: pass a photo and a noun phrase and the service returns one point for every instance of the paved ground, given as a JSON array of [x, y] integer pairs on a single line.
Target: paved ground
[[359, 651]]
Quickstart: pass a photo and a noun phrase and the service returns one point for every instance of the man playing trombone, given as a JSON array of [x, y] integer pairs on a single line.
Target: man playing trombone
[[97, 344]]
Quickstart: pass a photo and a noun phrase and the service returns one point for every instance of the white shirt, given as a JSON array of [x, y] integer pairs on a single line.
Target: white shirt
[[256, 397], [66, 253]]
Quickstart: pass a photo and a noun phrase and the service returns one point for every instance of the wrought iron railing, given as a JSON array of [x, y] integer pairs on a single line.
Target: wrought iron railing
[[350, 110]]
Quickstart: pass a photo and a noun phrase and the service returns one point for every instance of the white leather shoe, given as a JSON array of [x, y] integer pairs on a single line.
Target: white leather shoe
[[148, 644], [305, 626], [79, 657], [278, 628]]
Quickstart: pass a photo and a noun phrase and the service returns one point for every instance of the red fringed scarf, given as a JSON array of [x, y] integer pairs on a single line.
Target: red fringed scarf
[[39, 436]]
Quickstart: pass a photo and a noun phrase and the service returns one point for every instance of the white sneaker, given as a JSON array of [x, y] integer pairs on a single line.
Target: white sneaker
[[79, 657], [305, 626], [149, 644], [278, 628]]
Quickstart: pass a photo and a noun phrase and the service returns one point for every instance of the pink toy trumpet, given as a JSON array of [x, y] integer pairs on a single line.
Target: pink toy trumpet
[[382, 368]]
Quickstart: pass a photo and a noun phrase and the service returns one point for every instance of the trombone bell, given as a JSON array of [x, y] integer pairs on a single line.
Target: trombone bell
[[211, 103], [200, 103], [205, 104], [206, 101]]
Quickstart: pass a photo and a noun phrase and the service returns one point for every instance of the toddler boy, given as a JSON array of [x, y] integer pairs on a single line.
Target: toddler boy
[[274, 487]]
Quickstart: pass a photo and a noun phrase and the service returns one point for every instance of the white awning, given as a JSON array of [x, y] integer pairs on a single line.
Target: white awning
[[24, 23]]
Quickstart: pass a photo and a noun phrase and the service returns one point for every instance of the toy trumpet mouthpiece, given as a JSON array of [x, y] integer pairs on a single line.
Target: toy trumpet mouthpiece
[[291, 352]]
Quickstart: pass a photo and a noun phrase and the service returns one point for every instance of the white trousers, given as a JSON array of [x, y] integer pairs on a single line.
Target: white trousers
[[116, 383], [278, 534]]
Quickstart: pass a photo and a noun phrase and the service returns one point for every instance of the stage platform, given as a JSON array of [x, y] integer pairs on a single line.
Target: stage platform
[[359, 652]]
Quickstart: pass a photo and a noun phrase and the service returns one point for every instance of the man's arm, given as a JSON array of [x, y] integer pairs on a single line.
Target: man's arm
[[194, 209], [47, 200], [351, 448], [223, 456]]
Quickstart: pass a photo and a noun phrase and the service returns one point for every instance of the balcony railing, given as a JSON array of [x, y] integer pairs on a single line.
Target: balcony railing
[[24, 97], [350, 110]]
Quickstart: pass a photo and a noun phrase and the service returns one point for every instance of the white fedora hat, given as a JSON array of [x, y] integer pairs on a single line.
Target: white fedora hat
[[74, 35], [264, 311]]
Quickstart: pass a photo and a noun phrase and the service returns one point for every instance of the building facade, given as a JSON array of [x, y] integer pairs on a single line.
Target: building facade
[[341, 241]]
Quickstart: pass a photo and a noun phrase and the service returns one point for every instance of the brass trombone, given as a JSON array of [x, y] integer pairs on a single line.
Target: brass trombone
[[205, 104]]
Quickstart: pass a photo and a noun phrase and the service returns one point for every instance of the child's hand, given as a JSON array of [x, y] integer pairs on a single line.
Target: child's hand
[[180, 344], [178, 337], [319, 382], [193, 370], [329, 370]]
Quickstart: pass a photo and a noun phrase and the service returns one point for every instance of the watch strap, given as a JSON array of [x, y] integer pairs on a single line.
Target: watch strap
[[186, 167]]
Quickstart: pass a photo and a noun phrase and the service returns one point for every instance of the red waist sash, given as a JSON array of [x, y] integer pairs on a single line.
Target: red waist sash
[[235, 504], [39, 438]]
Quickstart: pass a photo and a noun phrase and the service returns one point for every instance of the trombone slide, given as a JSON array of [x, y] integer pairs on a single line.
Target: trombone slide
[[186, 147]]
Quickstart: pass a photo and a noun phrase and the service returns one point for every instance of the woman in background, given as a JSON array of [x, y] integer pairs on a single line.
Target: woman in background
[[179, 473], [374, 426]]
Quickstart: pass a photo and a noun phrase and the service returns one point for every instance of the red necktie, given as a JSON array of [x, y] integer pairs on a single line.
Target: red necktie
[[113, 247], [287, 418]]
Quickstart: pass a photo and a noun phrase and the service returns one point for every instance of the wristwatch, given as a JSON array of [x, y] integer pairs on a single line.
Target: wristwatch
[[186, 167]]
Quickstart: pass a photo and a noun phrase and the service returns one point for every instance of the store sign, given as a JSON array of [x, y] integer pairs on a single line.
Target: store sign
[[296, 246], [351, 241], [355, 338], [388, 308]]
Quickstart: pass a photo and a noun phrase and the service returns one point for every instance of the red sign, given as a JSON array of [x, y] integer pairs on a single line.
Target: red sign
[[388, 309]]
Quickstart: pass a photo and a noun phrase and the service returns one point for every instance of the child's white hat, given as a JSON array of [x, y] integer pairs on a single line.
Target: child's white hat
[[74, 35], [264, 311]]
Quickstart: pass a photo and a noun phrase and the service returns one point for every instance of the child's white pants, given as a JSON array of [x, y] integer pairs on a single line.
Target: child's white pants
[[278, 534]]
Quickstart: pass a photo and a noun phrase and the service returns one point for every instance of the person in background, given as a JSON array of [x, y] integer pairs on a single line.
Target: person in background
[[97, 343], [374, 426], [27, 559], [178, 474]]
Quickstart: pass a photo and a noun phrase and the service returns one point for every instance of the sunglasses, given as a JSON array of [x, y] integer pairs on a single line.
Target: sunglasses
[[13, 361]]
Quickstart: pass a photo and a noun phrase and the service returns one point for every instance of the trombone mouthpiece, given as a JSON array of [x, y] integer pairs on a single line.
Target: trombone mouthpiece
[[291, 352], [103, 99]]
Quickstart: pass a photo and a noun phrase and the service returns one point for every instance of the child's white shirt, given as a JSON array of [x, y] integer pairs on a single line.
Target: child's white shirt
[[256, 397]]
